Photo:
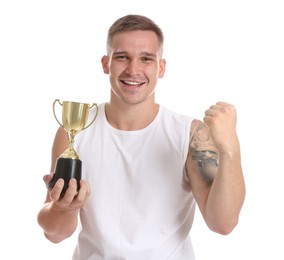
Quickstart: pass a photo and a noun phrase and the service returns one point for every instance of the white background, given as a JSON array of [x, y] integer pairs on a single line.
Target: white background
[[215, 50]]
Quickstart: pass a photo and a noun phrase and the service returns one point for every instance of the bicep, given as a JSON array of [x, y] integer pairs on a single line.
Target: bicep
[[205, 163], [201, 163]]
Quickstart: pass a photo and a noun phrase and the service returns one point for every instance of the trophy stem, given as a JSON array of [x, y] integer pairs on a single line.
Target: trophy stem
[[71, 140], [70, 151]]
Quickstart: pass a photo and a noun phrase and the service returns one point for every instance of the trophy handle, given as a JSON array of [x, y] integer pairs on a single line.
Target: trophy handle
[[97, 110], [56, 100]]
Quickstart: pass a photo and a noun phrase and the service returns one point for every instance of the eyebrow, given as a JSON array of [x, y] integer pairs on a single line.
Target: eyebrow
[[119, 52], [144, 53]]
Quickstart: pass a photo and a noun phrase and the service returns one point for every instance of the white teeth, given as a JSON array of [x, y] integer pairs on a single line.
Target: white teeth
[[132, 83]]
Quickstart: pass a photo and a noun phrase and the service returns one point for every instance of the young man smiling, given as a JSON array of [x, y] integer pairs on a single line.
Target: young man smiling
[[145, 167]]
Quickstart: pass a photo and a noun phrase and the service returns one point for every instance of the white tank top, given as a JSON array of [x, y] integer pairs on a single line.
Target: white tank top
[[141, 205]]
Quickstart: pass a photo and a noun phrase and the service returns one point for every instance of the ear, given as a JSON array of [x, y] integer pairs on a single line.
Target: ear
[[104, 61], [162, 68]]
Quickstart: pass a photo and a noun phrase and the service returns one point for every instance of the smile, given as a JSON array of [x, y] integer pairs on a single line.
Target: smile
[[132, 83]]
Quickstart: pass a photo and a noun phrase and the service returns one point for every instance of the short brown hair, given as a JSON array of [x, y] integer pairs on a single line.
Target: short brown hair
[[134, 23]]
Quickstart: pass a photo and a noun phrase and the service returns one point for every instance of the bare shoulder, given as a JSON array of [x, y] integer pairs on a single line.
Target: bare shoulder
[[202, 158]]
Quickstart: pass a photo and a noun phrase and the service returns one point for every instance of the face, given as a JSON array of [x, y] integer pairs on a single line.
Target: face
[[134, 64]]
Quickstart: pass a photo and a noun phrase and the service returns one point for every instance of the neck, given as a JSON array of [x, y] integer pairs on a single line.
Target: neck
[[131, 117]]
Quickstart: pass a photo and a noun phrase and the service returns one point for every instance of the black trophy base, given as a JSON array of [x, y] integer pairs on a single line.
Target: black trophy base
[[67, 168]]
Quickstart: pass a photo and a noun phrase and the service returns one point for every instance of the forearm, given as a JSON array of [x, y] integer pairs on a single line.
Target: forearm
[[57, 224], [227, 194]]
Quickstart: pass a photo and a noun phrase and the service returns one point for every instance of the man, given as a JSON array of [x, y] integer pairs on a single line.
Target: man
[[144, 166]]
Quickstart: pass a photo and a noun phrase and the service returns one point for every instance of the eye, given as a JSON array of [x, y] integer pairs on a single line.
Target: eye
[[121, 57], [147, 59]]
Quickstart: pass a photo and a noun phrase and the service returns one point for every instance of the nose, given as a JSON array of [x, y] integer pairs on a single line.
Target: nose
[[133, 67]]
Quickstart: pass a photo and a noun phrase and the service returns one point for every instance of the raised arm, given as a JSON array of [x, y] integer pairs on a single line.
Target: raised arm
[[59, 216], [214, 168]]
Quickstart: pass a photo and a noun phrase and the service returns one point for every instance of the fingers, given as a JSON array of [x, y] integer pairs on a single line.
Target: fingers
[[219, 111], [219, 106], [71, 198], [55, 192], [47, 178], [221, 120], [223, 103], [84, 192], [71, 192]]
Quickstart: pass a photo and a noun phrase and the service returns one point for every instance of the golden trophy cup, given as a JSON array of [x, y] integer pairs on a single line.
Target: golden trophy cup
[[74, 120]]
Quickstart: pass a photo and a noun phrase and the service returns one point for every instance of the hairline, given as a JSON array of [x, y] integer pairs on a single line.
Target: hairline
[[130, 23]]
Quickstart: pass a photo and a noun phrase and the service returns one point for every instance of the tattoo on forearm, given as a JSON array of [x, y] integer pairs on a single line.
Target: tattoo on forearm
[[206, 159]]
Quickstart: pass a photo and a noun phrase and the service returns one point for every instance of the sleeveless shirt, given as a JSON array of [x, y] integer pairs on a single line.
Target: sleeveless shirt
[[141, 205]]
